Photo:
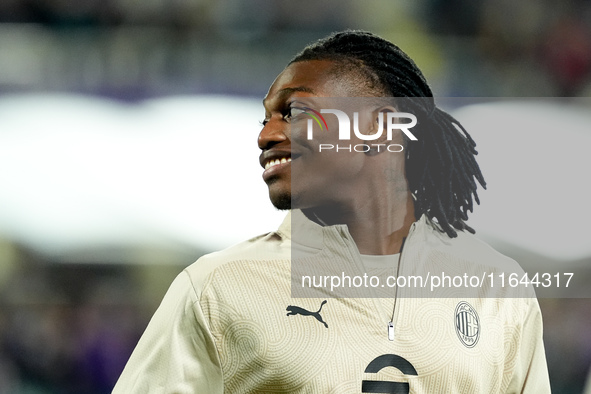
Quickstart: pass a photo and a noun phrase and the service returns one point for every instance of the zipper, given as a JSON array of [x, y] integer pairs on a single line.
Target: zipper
[[391, 333]]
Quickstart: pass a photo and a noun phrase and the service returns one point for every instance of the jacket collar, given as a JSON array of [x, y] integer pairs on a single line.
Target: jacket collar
[[309, 233], [312, 234]]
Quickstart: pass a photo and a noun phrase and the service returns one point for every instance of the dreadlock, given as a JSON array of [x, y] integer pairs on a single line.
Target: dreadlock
[[440, 167]]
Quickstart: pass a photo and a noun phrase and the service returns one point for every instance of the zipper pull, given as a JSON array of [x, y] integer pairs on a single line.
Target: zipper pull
[[391, 331]]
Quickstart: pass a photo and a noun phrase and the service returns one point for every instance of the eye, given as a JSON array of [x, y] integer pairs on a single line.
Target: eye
[[292, 112], [263, 122]]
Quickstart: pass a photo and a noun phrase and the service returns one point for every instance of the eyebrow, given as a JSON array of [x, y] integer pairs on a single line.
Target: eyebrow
[[288, 91]]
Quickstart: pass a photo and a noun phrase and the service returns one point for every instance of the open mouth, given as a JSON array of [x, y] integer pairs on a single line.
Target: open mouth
[[276, 162]]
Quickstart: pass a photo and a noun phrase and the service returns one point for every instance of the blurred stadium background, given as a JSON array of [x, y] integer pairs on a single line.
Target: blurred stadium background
[[128, 140]]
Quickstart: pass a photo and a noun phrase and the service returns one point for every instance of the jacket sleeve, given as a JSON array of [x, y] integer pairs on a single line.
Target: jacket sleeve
[[530, 375], [176, 353]]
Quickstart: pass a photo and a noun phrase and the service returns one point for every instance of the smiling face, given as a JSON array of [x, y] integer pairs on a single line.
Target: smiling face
[[297, 174]]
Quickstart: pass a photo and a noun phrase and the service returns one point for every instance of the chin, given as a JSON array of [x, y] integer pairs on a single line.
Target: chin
[[281, 201]]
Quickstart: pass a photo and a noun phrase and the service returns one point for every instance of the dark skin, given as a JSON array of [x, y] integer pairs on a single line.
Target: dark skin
[[368, 193]]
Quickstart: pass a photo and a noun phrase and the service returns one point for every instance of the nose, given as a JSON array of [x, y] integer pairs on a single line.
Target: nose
[[274, 132]]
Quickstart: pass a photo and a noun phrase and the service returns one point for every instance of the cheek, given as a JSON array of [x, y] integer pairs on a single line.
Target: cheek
[[329, 167]]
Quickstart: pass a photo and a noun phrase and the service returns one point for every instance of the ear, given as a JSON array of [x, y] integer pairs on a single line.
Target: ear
[[378, 123]]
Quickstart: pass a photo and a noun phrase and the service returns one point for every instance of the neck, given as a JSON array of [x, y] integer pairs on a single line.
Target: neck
[[378, 226]]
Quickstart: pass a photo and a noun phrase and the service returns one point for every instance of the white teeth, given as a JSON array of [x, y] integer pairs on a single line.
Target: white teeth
[[275, 162]]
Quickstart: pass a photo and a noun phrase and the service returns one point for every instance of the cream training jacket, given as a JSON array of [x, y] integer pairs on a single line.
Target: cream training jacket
[[228, 324]]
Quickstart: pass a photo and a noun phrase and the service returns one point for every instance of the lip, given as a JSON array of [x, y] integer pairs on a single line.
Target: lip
[[275, 170], [273, 155]]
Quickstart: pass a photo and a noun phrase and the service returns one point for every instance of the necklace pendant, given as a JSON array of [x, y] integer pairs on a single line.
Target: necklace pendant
[[391, 331]]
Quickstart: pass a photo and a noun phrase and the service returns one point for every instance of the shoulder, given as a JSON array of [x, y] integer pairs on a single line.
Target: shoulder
[[266, 247], [470, 247], [483, 270], [465, 247]]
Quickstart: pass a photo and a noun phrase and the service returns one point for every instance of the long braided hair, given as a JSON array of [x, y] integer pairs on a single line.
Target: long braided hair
[[441, 167]]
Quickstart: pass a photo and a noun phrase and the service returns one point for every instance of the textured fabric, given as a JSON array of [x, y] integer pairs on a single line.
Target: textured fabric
[[225, 326]]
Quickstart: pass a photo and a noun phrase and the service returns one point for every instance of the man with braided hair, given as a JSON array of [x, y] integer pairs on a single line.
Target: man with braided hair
[[255, 318]]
